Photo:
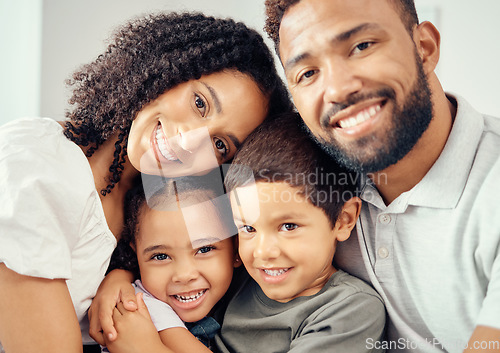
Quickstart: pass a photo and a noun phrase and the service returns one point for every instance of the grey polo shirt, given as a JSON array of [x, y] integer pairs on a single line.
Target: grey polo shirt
[[433, 253]]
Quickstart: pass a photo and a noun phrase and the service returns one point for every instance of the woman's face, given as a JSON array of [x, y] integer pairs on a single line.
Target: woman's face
[[196, 125]]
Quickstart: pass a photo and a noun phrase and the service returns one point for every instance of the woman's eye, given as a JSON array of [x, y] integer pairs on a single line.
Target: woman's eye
[[206, 249], [221, 146], [288, 227], [160, 257], [247, 229], [200, 104]]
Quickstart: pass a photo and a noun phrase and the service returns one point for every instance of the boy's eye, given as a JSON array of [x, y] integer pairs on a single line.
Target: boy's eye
[[221, 146], [160, 257], [288, 227], [200, 104], [205, 249]]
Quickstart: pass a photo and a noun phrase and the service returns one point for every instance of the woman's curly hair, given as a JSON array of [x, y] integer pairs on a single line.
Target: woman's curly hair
[[151, 55]]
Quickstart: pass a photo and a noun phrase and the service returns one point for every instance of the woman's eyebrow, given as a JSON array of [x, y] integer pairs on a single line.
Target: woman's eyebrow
[[215, 97]]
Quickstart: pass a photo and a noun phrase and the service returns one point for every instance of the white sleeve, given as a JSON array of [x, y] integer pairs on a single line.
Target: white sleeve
[[41, 207], [162, 314]]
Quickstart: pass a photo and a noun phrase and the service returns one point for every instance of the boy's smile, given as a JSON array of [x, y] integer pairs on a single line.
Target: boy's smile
[[287, 246]]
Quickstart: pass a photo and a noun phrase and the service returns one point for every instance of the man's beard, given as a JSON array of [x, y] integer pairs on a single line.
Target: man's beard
[[409, 122]]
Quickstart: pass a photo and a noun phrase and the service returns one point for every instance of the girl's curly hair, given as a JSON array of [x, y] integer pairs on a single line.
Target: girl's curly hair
[[151, 55]]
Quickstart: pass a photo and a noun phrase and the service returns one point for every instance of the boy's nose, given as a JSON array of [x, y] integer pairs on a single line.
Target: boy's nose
[[266, 247]]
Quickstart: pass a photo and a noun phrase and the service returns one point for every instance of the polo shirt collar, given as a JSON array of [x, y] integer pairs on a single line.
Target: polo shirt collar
[[444, 183]]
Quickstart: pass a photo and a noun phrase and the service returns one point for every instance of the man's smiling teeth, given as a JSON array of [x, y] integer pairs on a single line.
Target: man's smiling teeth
[[275, 272], [361, 117], [190, 298], [162, 145]]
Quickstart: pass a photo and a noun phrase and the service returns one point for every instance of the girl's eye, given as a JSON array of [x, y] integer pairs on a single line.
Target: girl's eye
[[200, 104], [362, 46], [247, 229], [287, 227], [206, 249], [160, 257], [221, 146]]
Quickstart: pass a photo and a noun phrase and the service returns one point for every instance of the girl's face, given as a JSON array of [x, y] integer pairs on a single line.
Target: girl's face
[[186, 258], [196, 125]]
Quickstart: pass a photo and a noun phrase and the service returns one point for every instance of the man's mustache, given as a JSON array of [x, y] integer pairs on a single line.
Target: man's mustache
[[355, 98]]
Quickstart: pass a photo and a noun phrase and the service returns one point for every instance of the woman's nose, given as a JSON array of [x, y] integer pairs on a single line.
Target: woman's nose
[[192, 140]]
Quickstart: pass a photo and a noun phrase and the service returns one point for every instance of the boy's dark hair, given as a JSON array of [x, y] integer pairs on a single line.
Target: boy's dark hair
[[151, 55], [159, 193], [275, 9], [283, 151]]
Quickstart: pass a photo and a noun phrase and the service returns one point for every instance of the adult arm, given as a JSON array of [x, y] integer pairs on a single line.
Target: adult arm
[[37, 315], [136, 333], [484, 339], [115, 288]]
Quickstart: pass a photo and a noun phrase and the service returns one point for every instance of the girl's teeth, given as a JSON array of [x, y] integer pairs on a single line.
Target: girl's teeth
[[187, 299], [275, 272], [361, 117]]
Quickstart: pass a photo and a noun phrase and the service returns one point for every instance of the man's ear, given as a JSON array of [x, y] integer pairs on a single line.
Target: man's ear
[[347, 218], [428, 41]]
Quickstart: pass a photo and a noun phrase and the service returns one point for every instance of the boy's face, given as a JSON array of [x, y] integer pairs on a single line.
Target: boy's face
[[185, 258], [285, 242]]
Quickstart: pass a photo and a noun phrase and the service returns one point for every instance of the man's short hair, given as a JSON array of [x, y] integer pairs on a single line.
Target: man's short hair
[[275, 9]]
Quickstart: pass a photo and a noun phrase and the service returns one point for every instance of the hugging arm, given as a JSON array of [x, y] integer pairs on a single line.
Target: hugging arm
[[136, 333], [37, 315], [115, 288]]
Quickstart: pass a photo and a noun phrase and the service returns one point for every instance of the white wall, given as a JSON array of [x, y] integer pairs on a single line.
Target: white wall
[[74, 32], [470, 49], [20, 58]]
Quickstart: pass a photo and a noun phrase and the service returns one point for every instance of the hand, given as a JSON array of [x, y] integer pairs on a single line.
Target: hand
[[115, 288], [136, 332]]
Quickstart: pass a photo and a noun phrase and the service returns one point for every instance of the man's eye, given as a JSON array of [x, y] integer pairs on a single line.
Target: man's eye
[[362, 46], [200, 104], [160, 257], [288, 227], [306, 75], [220, 146]]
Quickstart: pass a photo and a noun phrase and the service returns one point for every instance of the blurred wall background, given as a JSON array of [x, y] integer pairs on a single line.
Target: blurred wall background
[[43, 41]]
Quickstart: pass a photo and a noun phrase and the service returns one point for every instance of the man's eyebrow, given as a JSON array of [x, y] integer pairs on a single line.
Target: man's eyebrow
[[339, 38], [215, 97]]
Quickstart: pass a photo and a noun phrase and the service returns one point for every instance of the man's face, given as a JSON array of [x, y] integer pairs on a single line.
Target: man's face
[[356, 79]]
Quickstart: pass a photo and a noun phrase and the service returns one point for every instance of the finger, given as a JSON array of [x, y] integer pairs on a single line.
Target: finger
[[121, 308], [95, 329], [107, 323], [142, 308], [127, 297]]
